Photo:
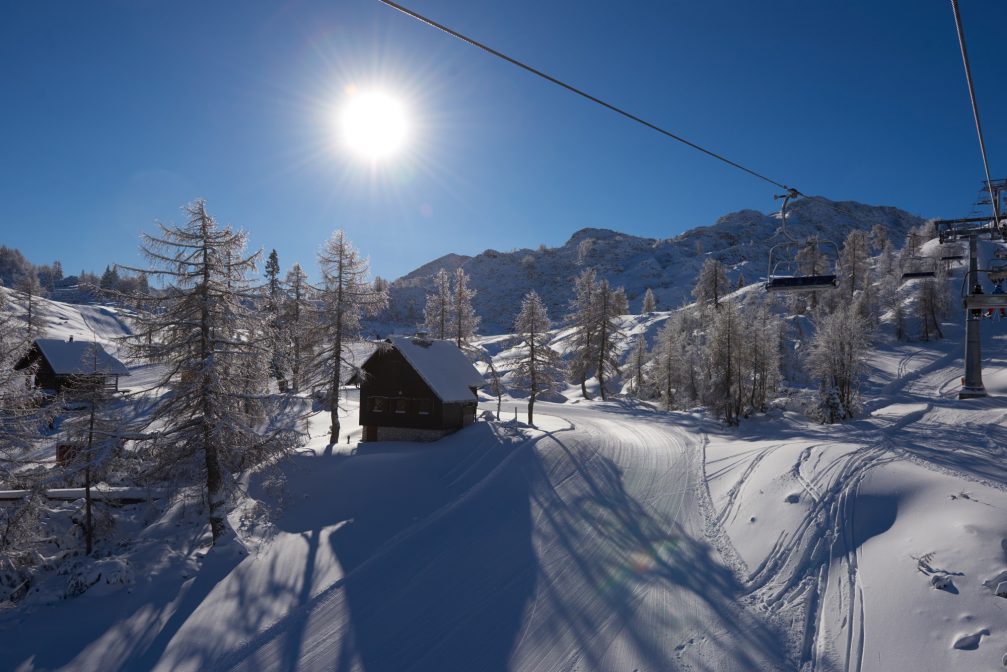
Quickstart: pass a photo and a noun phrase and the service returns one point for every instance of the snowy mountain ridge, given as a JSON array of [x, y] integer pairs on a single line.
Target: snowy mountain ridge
[[741, 240]]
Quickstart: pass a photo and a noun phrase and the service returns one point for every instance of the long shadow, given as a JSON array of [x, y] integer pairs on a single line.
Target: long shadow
[[437, 557], [451, 596], [621, 548], [146, 638]]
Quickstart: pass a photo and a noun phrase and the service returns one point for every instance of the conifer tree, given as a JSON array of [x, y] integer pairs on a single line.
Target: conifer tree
[[205, 429], [711, 285], [610, 304], [637, 362], [837, 359], [649, 302], [437, 311], [296, 313], [347, 295], [583, 320], [464, 320], [538, 368], [854, 263]]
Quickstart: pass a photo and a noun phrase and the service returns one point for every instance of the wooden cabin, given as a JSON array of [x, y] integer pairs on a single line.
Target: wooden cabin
[[62, 364], [417, 389]]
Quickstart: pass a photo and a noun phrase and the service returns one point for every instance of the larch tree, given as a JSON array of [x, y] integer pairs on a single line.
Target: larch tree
[[854, 263], [811, 260], [837, 359], [22, 419], [637, 364], [437, 311], [725, 349], [296, 321], [583, 321], [31, 291], [649, 302], [537, 368], [610, 304], [712, 284], [464, 321], [207, 427], [347, 295]]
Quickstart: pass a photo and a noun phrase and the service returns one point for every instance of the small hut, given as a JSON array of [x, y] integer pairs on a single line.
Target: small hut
[[60, 364], [417, 389]]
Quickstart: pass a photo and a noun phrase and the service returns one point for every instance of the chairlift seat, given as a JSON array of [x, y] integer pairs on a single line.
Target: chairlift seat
[[916, 275], [800, 283]]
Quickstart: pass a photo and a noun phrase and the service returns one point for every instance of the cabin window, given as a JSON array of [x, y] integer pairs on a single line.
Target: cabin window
[[424, 406], [378, 404], [401, 405]]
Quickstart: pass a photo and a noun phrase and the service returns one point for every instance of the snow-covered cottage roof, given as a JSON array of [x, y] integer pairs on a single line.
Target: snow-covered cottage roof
[[69, 358], [441, 365]]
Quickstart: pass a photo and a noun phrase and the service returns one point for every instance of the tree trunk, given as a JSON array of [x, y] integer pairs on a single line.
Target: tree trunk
[[88, 520]]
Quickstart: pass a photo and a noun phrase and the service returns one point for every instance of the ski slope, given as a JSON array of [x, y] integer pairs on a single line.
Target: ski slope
[[610, 537]]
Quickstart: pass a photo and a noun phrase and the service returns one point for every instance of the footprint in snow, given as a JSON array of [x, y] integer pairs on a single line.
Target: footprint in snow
[[970, 642]]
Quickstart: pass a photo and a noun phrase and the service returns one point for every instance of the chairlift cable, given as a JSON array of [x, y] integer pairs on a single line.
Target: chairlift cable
[[975, 109], [613, 108], [580, 92]]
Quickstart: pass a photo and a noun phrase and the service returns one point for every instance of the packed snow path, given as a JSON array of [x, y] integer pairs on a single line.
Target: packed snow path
[[579, 550]]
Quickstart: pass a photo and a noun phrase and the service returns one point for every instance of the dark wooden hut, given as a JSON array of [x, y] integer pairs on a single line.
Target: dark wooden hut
[[416, 389], [59, 364]]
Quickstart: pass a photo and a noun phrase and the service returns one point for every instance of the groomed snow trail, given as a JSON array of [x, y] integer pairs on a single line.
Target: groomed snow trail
[[581, 550]]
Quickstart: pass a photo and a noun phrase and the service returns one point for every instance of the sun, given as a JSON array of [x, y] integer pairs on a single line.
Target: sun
[[374, 124]]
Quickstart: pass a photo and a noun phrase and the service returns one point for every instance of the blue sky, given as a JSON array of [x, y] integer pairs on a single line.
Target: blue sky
[[115, 114]]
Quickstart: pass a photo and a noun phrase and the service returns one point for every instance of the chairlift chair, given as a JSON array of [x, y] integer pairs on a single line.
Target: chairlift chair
[[785, 273], [997, 272], [919, 267], [952, 253]]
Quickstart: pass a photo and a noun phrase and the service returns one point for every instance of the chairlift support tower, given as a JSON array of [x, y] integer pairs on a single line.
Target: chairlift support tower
[[975, 301]]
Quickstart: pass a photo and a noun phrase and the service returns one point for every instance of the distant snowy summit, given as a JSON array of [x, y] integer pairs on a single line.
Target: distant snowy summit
[[741, 240]]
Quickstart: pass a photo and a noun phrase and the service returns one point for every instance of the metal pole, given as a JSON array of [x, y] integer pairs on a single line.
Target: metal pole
[[972, 386]]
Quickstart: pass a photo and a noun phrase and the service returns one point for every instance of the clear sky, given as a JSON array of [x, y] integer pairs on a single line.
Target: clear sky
[[115, 114]]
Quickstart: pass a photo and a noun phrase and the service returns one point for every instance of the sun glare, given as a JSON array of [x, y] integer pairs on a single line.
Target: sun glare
[[374, 125]]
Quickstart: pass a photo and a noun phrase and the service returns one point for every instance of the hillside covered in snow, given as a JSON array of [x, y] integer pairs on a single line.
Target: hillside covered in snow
[[741, 240]]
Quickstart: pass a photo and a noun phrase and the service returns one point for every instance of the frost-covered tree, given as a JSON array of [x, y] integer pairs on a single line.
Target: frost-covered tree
[[854, 263], [649, 302], [711, 285], [879, 238], [31, 292], [95, 432], [725, 349], [537, 367], [637, 366], [207, 427], [296, 321], [837, 359], [464, 321], [761, 357], [610, 304], [437, 311], [812, 261], [583, 320], [347, 294]]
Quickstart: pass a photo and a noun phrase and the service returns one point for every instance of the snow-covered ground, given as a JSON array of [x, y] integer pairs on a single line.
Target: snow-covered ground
[[610, 537]]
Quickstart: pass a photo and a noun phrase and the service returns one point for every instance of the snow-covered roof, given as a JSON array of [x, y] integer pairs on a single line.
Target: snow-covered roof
[[441, 365], [68, 358]]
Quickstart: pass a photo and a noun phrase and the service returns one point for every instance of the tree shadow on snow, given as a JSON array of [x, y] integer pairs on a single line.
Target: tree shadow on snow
[[621, 550], [439, 568]]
